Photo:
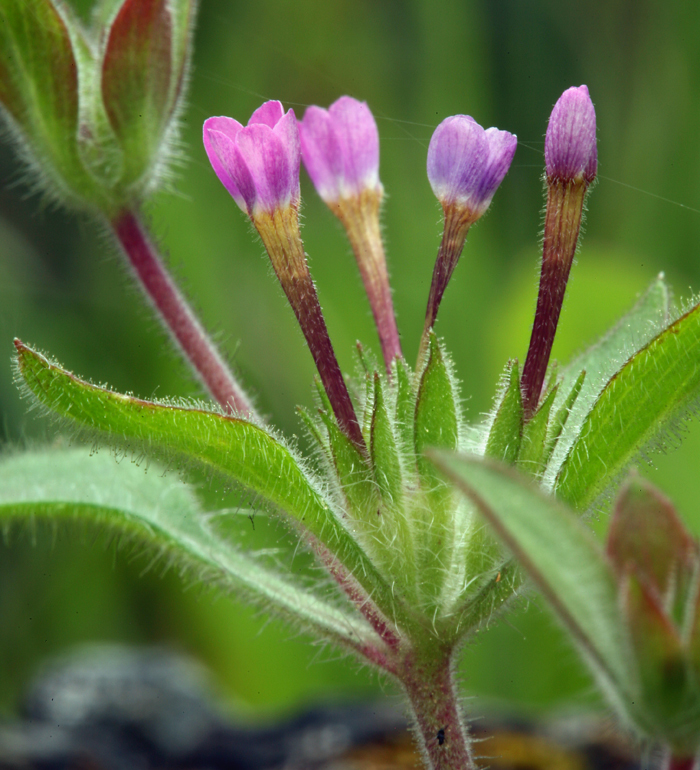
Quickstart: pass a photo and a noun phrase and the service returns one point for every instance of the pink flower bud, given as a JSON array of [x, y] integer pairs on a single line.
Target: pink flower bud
[[570, 149], [340, 149], [259, 163], [466, 163]]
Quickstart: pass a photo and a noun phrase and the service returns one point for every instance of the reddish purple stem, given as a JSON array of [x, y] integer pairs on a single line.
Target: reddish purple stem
[[177, 316], [561, 230], [360, 218], [279, 231], [432, 692]]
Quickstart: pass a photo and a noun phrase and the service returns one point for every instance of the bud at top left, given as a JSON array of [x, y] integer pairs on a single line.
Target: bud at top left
[[94, 111]]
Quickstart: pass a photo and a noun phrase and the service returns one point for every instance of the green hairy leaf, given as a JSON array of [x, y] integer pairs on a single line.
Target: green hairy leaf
[[163, 514], [436, 425], [648, 317], [235, 448], [650, 389], [561, 556]]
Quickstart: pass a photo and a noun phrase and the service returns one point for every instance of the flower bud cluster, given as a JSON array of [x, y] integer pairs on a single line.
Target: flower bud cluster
[[99, 130], [259, 166]]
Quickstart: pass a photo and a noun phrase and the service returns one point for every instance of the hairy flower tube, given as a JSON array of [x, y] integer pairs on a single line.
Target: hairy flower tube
[[259, 166], [340, 150], [466, 164], [571, 159]]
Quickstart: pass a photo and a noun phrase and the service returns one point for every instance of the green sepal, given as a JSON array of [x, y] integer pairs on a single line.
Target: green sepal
[[557, 424], [506, 431], [98, 146], [648, 317], [158, 512], [39, 91], [137, 81], [532, 457], [313, 428], [354, 474], [405, 405], [237, 449], [649, 390], [367, 372], [323, 396], [384, 453]]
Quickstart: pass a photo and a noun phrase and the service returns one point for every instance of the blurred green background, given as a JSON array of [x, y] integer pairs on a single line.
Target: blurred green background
[[505, 62]]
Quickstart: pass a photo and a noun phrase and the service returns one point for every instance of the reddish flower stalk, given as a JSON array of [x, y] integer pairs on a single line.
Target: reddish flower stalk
[[177, 317], [561, 230], [279, 231], [572, 162], [259, 166], [431, 690], [466, 164], [360, 218]]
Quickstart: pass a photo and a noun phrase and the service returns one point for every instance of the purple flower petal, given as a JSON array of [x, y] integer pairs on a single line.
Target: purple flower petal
[[268, 163], [221, 150], [269, 113], [340, 149], [287, 130], [570, 148], [501, 149], [321, 152], [359, 142], [466, 164], [258, 164]]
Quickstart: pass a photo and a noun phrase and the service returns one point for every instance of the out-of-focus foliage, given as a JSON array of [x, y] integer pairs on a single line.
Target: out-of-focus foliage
[[505, 63]]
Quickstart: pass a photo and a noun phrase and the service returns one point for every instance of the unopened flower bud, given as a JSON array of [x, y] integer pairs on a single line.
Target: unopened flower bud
[[96, 121], [570, 148], [571, 159], [466, 164]]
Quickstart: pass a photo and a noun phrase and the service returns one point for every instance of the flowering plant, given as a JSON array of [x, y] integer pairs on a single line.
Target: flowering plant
[[392, 509]]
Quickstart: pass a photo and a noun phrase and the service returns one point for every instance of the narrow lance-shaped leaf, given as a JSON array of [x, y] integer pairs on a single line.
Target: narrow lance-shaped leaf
[[405, 405], [354, 475], [241, 451], [162, 514], [561, 417], [562, 558], [394, 541], [436, 425], [650, 389], [533, 447], [648, 317], [506, 431]]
